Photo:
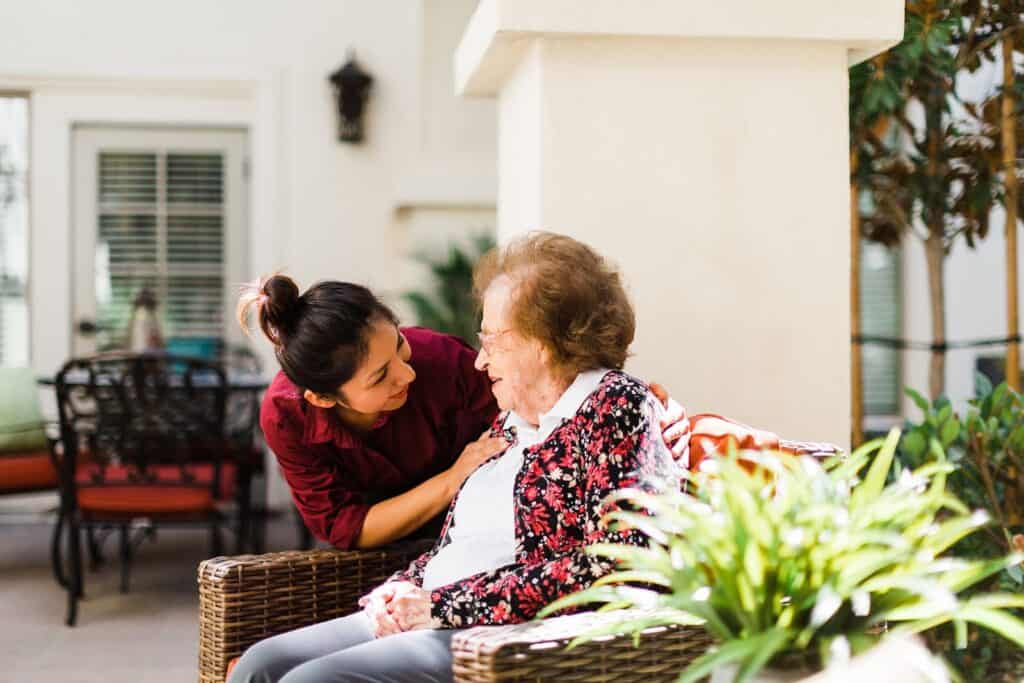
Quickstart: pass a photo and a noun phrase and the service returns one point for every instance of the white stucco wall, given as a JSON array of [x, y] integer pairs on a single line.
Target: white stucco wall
[[703, 147], [728, 222]]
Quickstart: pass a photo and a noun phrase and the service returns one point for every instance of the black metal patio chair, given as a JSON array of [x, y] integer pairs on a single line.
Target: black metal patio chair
[[141, 444]]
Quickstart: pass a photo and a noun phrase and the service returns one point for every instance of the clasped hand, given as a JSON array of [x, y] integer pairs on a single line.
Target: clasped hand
[[397, 606]]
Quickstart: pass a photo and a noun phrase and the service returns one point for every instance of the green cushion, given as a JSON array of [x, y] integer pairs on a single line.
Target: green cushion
[[21, 420]]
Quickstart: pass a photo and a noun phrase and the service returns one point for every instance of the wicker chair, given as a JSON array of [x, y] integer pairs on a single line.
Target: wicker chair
[[250, 597], [247, 598]]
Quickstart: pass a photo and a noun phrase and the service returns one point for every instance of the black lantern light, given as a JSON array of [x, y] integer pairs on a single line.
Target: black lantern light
[[351, 88]]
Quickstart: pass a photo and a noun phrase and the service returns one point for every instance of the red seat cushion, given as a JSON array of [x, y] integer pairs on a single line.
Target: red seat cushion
[[28, 471], [228, 479], [144, 500], [164, 492], [166, 475], [231, 667]]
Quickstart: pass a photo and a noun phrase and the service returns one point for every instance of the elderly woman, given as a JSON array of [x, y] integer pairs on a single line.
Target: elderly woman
[[556, 330]]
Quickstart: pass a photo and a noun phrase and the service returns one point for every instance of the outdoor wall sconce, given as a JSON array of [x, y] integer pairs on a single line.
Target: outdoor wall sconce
[[351, 88]]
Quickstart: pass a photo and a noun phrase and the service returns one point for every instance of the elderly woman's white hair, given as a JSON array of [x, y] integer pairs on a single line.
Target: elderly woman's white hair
[[567, 296]]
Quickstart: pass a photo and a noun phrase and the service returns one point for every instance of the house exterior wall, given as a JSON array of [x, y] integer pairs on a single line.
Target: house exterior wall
[[320, 208], [317, 208], [975, 283]]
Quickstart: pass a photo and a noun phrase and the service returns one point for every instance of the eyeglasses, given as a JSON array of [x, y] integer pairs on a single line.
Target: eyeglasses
[[487, 339]]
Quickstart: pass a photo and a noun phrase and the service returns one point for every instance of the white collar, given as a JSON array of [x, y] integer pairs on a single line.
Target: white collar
[[568, 403]]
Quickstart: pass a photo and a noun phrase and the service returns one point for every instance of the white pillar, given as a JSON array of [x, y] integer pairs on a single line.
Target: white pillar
[[702, 146]]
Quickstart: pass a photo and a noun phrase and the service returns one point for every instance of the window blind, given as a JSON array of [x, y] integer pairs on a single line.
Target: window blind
[[161, 227], [880, 314]]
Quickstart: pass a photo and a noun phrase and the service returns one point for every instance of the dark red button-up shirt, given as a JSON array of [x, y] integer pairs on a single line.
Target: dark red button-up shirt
[[336, 474]]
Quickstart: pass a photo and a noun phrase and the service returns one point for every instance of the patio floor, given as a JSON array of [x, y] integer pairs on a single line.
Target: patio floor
[[146, 636]]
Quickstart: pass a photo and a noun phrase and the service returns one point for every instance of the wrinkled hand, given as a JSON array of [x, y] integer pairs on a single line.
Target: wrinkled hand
[[375, 605], [675, 427], [397, 606], [410, 608]]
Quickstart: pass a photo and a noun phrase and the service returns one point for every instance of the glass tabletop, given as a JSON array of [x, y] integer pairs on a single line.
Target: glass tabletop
[[236, 381]]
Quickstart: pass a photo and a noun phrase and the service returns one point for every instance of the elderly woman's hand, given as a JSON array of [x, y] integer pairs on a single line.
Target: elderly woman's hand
[[410, 608], [675, 427], [376, 607]]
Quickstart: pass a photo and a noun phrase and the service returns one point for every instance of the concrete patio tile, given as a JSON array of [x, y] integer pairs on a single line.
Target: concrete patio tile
[[149, 635]]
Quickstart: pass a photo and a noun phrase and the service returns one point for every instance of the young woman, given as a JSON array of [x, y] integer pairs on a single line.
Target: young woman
[[375, 426]]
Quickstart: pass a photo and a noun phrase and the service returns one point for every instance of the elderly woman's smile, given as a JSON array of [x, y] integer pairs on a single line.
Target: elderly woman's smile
[[522, 376]]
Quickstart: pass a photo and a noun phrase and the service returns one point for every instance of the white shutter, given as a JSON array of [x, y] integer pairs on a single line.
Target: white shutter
[[161, 226], [881, 316], [195, 244], [13, 230]]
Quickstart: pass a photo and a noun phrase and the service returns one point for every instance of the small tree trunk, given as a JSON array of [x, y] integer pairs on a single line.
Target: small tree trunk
[[936, 256], [934, 215], [1009, 141], [856, 371]]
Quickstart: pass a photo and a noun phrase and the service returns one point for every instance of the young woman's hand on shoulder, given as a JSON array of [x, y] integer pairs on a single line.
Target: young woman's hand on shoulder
[[473, 455]]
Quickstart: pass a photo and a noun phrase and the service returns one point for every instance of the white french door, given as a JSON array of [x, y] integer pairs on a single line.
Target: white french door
[[162, 209]]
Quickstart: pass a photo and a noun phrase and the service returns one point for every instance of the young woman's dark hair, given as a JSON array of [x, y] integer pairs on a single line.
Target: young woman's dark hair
[[319, 337]]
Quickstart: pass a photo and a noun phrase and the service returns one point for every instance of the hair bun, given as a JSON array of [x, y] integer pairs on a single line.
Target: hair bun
[[282, 300], [276, 302]]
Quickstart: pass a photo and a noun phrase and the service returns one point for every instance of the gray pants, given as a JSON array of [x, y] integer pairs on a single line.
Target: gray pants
[[345, 650]]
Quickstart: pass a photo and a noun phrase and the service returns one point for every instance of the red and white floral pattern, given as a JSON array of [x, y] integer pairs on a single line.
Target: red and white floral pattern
[[614, 441]]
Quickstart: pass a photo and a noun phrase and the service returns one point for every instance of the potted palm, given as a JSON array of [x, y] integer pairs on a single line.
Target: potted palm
[[795, 566], [446, 304]]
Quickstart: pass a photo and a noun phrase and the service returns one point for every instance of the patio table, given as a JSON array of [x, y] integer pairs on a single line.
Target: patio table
[[240, 382]]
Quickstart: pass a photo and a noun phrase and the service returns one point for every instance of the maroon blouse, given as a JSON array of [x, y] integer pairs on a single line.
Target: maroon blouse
[[336, 475]]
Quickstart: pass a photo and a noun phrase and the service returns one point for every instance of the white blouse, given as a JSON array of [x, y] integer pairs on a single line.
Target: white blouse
[[483, 533]]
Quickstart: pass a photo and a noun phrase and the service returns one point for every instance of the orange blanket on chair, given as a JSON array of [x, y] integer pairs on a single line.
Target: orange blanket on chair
[[712, 434]]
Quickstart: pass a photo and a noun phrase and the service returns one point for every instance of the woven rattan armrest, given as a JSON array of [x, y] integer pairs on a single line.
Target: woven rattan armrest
[[536, 652], [246, 598]]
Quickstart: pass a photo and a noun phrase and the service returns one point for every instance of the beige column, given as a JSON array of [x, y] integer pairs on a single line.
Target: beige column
[[702, 146]]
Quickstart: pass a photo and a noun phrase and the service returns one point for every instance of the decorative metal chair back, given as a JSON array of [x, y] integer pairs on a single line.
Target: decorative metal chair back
[[141, 419]]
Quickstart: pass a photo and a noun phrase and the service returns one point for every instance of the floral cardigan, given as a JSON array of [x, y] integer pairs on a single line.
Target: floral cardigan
[[613, 441]]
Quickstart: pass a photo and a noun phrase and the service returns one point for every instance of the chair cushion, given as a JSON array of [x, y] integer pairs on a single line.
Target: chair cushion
[[231, 667], [144, 500], [27, 471], [712, 434], [228, 479], [163, 493], [21, 420], [165, 475]]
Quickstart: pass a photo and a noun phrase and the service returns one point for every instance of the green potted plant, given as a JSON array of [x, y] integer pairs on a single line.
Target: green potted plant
[[986, 445], [796, 566], [447, 304]]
